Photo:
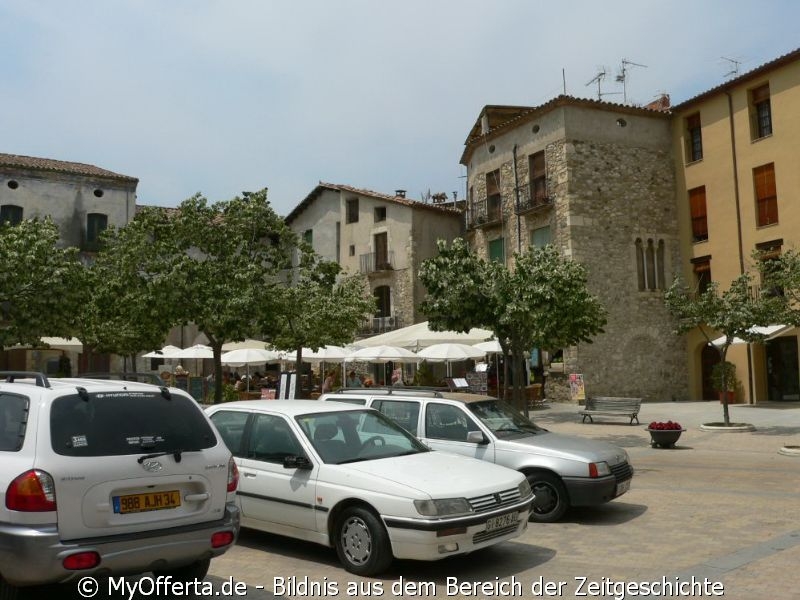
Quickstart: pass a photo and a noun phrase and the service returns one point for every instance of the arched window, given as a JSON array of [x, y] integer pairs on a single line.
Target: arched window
[[650, 257], [640, 264], [650, 264]]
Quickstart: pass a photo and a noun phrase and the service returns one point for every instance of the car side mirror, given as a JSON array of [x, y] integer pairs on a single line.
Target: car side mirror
[[476, 437], [296, 462]]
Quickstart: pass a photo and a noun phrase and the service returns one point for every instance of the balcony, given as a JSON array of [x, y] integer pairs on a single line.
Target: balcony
[[485, 212], [534, 198], [376, 262], [378, 325]]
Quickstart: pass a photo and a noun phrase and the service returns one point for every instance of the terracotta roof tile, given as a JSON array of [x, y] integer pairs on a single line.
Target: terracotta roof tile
[[59, 166]]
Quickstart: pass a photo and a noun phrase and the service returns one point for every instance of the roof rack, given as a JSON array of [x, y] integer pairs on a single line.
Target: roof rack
[[394, 389], [40, 378]]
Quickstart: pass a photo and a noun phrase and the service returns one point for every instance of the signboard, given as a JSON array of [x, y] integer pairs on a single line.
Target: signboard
[[196, 387], [478, 382], [577, 389], [288, 386]]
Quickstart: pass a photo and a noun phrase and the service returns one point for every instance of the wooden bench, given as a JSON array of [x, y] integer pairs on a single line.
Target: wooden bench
[[608, 405]]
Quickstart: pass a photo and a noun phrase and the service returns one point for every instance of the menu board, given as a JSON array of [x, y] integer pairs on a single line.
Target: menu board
[[478, 382]]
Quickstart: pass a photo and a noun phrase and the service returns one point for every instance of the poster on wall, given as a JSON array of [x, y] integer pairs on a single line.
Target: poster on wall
[[577, 389]]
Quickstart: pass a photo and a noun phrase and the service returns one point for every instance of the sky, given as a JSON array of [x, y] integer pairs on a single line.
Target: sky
[[221, 97]]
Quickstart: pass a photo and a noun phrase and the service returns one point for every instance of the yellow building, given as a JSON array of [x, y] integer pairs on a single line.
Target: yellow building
[[736, 148]]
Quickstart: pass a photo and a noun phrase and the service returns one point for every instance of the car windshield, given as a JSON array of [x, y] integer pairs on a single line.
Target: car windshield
[[357, 435], [503, 419]]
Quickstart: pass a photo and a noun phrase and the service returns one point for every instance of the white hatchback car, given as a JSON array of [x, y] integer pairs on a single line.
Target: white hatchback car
[[351, 478], [103, 478]]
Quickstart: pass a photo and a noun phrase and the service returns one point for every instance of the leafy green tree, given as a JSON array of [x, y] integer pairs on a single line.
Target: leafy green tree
[[543, 302], [734, 313], [40, 283], [320, 306]]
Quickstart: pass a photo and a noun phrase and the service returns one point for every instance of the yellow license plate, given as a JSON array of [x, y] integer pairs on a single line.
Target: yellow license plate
[[134, 503]]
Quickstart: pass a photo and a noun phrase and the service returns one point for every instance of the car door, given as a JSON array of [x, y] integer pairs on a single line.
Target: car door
[[445, 428], [271, 495]]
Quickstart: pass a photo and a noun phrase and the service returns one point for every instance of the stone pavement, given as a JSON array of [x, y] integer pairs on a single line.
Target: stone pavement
[[722, 506]]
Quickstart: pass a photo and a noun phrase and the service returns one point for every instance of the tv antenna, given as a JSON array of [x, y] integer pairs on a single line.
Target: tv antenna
[[734, 72], [623, 77], [598, 79]]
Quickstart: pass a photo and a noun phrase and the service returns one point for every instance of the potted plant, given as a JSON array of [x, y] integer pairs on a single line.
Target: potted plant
[[664, 434], [723, 379]]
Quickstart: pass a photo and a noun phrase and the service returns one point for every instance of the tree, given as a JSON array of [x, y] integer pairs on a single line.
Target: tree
[[543, 302], [320, 306], [216, 265], [734, 313], [41, 285]]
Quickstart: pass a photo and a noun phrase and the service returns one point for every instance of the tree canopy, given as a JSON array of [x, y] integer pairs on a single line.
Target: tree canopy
[[40, 283], [542, 302]]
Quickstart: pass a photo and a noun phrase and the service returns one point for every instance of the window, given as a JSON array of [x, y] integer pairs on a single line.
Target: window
[[538, 178], [702, 272], [497, 250], [768, 253], [381, 242], [230, 425], [308, 237], [13, 417], [96, 223], [10, 213], [760, 112], [403, 412], [494, 200], [697, 206], [352, 250], [694, 138], [383, 301], [380, 213], [650, 264], [540, 237], [445, 422], [352, 210], [271, 440], [766, 195]]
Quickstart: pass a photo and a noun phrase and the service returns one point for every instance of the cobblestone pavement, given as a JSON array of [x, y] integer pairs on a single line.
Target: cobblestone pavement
[[722, 506]]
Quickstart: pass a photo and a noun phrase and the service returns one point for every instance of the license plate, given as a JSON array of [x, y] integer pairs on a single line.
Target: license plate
[[135, 503], [501, 522], [623, 487]]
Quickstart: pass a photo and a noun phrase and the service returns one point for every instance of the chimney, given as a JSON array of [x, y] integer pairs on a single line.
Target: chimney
[[661, 103], [400, 193]]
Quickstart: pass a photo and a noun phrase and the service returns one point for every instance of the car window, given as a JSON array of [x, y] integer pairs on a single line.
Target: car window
[[230, 424], [357, 435], [503, 419], [13, 418], [272, 439], [127, 422], [403, 412], [446, 422]]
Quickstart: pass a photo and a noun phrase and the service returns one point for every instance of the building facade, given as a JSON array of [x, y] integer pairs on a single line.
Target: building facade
[[384, 237], [736, 148], [596, 180]]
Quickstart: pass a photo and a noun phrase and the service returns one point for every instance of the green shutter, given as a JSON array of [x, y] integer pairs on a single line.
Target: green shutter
[[496, 250]]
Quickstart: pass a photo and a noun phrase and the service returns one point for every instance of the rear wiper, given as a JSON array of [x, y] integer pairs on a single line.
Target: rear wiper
[[176, 454]]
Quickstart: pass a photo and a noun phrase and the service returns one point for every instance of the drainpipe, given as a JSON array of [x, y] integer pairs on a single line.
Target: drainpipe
[[750, 383], [516, 197]]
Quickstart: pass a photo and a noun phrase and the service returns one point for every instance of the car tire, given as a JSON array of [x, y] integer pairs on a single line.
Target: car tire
[[550, 501], [195, 571], [361, 541]]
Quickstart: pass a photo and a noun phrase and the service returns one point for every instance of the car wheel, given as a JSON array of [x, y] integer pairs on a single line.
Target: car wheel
[[8, 591], [362, 542], [550, 501], [195, 571]]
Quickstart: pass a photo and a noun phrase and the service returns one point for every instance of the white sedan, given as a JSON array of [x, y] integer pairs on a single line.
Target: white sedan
[[351, 478]]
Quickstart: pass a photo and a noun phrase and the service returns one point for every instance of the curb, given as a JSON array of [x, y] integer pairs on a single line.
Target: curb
[[732, 428]]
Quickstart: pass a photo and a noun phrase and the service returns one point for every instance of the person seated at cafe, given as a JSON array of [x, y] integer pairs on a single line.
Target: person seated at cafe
[[352, 380], [241, 385]]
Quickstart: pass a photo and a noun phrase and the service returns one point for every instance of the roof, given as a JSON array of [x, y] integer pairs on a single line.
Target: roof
[[504, 118], [60, 166], [291, 408], [322, 186], [745, 77]]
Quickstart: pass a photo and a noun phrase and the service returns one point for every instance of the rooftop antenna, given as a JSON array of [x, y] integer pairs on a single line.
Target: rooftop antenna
[[623, 77], [734, 72], [597, 79]]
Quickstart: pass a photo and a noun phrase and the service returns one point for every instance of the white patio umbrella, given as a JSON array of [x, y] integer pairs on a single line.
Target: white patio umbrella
[[383, 354], [328, 353], [165, 352], [248, 343], [420, 335], [450, 353], [68, 344], [196, 351], [249, 356]]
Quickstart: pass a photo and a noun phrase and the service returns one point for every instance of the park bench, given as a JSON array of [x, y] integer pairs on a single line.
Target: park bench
[[609, 405]]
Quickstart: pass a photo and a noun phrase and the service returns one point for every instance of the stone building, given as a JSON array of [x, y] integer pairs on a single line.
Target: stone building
[[738, 190], [597, 180], [83, 200], [385, 237]]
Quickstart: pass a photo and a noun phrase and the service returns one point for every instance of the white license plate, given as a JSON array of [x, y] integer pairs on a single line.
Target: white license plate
[[501, 522], [623, 487]]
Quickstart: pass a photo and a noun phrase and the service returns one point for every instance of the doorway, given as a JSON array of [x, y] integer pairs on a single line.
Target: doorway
[[783, 373], [709, 357]]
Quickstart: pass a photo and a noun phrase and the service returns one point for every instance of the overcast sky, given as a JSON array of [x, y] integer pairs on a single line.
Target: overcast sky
[[220, 97]]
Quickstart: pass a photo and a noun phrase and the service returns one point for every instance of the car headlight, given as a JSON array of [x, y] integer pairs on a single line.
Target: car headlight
[[524, 488], [599, 469], [442, 507]]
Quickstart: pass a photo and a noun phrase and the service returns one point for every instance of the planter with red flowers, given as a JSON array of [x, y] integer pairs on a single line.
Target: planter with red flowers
[[664, 434]]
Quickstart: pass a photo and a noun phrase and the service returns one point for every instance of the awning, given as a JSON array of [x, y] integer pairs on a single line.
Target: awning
[[769, 332]]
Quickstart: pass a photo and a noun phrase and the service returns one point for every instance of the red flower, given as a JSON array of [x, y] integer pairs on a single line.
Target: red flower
[[662, 426]]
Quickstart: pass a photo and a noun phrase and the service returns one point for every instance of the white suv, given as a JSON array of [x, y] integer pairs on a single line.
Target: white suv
[[108, 478]]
